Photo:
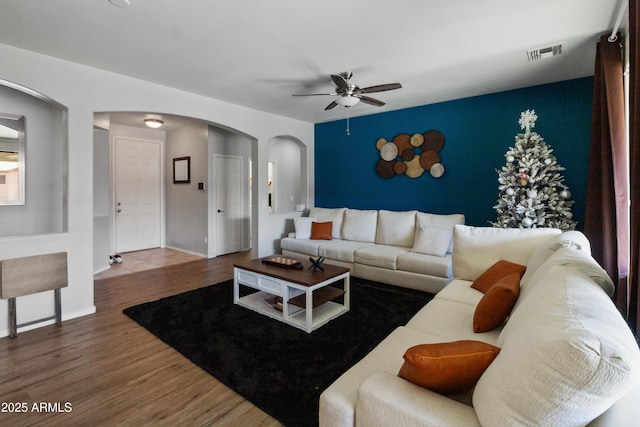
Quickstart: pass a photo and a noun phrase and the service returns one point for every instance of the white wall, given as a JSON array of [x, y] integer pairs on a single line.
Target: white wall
[[101, 201], [186, 206], [85, 91]]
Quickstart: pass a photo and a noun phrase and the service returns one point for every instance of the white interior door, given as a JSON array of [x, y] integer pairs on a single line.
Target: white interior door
[[229, 208], [137, 195]]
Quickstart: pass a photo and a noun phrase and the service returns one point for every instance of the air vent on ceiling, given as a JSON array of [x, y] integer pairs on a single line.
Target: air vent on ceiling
[[545, 52]]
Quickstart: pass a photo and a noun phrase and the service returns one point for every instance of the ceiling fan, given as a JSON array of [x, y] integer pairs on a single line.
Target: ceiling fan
[[349, 94]]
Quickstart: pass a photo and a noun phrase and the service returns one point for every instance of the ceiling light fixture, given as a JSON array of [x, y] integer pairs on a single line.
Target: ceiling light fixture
[[153, 123], [347, 101], [120, 3]]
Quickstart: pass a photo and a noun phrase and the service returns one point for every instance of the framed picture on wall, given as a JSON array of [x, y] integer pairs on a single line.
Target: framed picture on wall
[[182, 170]]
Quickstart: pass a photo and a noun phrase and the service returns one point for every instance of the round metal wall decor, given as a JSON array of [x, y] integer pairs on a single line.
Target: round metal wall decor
[[411, 155]]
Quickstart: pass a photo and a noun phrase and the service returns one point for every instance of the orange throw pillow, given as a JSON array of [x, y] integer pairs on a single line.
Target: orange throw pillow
[[447, 368], [496, 272], [496, 304], [321, 230]]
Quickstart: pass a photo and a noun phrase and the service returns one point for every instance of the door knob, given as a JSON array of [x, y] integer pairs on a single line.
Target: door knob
[[220, 211], [119, 210]]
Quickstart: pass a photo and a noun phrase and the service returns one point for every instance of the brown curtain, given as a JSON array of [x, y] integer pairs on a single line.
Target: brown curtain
[[607, 212], [634, 138]]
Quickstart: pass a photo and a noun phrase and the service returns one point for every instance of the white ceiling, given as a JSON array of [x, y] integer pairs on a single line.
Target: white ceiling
[[258, 53]]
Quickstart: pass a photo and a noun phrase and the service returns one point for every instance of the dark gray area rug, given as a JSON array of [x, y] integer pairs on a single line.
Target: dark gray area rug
[[279, 368]]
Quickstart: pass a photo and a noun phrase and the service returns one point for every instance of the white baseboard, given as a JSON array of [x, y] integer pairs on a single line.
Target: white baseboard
[[186, 251], [65, 317]]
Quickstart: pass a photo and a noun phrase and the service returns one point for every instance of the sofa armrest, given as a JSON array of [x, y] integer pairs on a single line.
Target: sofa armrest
[[385, 399], [625, 412]]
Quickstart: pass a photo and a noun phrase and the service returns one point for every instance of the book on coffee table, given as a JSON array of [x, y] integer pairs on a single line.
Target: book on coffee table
[[275, 302]]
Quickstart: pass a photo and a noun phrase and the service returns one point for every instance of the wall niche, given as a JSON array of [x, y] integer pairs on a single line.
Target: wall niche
[[43, 205], [287, 175]]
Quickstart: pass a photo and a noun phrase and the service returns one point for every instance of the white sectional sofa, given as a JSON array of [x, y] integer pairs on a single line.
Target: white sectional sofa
[[566, 356], [410, 248]]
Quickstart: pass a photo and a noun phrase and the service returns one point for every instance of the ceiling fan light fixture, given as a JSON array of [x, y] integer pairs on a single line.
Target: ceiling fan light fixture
[[347, 101], [120, 3], [153, 123]]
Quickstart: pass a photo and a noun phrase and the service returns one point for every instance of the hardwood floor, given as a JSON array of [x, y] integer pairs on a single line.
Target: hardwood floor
[[104, 369]]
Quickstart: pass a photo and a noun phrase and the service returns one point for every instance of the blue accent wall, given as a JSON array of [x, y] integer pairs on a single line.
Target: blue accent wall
[[478, 131]]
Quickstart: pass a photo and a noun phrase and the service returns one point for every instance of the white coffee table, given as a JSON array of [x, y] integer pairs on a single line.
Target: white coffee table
[[308, 297]]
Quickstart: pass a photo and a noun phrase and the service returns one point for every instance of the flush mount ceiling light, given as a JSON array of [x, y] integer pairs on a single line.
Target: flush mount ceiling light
[[153, 123], [120, 3]]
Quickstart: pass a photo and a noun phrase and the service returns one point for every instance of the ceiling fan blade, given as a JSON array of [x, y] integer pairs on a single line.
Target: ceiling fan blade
[[380, 88], [370, 101], [314, 94], [340, 82], [330, 106]]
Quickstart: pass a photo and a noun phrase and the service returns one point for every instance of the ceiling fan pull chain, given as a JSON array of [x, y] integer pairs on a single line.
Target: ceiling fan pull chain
[[348, 132]]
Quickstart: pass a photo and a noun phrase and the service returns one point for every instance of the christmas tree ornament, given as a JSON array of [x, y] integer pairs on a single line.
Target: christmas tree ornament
[[532, 189], [523, 180]]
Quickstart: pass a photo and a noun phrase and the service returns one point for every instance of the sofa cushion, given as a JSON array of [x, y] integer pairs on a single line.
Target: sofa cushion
[[336, 216], [571, 239], [496, 304], [446, 368], [425, 264], [460, 291], [495, 273], [396, 228], [303, 246], [451, 321], [360, 225], [442, 221], [341, 250], [321, 230], [571, 348], [337, 402], [379, 256], [387, 400], [432, 241], [478, 248], [302, 226]]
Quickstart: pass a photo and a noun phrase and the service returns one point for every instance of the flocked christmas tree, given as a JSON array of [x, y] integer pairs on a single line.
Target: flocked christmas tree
[[532, 190]]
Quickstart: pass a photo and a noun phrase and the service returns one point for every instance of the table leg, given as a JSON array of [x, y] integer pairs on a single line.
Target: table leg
[[309, 310], [347, 292], [13, 325]]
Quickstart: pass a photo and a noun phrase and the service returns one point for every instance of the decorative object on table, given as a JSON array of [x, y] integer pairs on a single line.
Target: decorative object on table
[[316, 264], [284, 262], [411, 155], [532, 192]]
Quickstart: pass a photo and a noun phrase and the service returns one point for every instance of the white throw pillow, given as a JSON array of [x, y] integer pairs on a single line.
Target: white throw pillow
[[424, 219], [303, 226], [360, 225], [396, 228], [334, 215], [432, 241]]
